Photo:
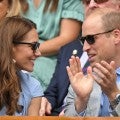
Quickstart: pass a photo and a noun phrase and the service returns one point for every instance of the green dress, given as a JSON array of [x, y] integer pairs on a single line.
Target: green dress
[[48, 26]]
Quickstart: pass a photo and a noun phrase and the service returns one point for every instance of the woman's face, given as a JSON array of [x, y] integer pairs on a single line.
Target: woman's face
[[4, 7], [23, 54]]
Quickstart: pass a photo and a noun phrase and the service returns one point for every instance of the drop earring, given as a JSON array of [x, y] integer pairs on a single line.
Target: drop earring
[[14, 60]]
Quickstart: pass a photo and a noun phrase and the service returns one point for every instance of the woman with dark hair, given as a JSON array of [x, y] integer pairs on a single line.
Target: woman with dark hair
[[19, 92]]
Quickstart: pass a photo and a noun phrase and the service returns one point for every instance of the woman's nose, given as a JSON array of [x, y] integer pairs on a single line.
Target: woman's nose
[[37, 52]]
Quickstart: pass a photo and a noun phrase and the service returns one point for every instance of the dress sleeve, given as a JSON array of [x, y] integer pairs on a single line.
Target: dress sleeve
[[73, 9], [35, 87]]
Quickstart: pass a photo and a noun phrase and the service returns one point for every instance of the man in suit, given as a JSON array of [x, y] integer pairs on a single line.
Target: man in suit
[[58, 87], [56, 92], [97, 93]]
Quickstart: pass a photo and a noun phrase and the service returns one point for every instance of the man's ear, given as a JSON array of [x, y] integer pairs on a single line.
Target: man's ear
[[118, 6], [116, 36]]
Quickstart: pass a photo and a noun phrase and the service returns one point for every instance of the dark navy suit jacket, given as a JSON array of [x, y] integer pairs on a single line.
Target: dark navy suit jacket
[[58, 87]]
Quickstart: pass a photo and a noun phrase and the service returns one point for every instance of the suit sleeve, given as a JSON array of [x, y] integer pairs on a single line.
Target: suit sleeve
[[70, 103], [51, 91]]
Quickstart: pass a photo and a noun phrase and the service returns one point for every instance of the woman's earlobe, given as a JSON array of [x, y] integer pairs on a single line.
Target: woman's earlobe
[[13, 48]]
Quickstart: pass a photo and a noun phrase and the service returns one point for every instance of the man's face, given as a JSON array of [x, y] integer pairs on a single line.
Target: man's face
[[103, 48], [90, 5]]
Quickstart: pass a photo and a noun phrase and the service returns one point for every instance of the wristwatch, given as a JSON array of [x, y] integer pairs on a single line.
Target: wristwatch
[[115, 102]]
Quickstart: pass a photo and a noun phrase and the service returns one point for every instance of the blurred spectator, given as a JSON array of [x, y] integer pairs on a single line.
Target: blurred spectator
[[9, 8], [58, 23]]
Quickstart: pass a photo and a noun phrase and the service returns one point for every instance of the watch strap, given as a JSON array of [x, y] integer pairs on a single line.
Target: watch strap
[[115, 102]]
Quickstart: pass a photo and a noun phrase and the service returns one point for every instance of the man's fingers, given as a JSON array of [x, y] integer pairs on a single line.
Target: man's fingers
[[48, 108], [43, 106]]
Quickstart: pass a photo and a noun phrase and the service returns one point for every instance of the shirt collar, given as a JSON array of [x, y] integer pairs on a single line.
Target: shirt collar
[[118, 71]]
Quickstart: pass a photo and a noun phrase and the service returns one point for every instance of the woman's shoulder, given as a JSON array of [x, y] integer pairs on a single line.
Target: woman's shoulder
[[30, 84]]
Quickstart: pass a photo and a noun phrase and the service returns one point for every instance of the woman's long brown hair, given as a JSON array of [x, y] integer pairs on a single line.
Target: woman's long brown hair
[[11, 29]]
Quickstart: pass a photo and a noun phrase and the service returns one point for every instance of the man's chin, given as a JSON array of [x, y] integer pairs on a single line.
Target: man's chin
[[92, 64]]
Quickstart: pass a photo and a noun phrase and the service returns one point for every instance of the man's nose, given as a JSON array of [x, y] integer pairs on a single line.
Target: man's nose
[[86, 46], [93, 4]]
